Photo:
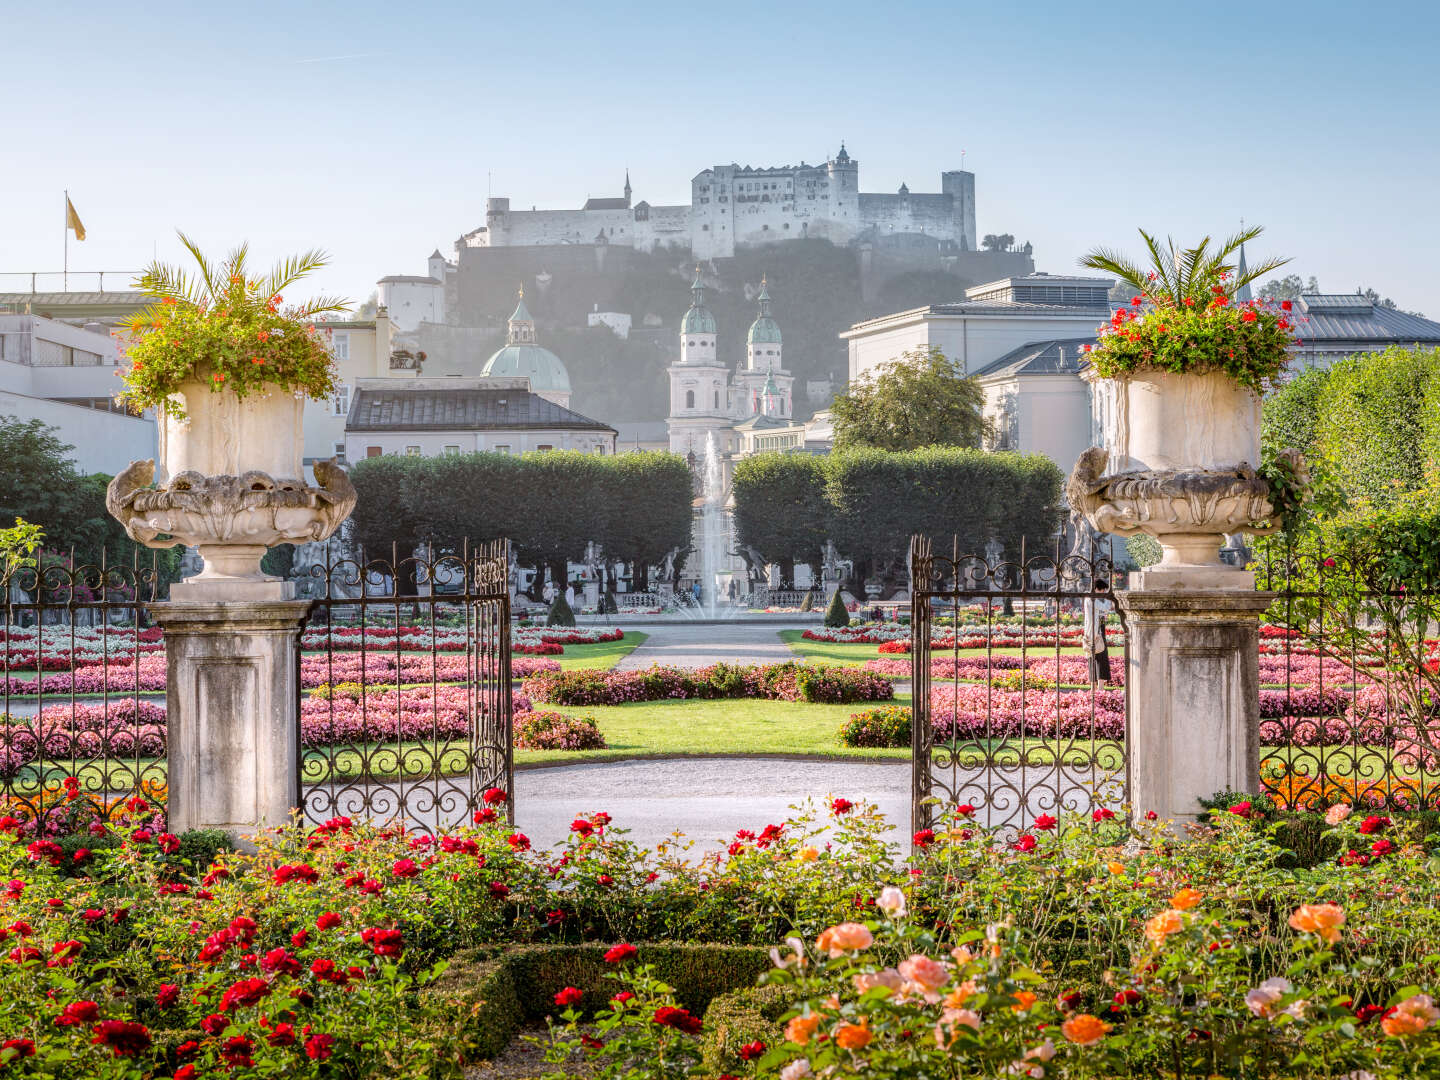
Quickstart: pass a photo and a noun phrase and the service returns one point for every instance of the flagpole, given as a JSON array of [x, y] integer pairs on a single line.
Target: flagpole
[[65, 274]]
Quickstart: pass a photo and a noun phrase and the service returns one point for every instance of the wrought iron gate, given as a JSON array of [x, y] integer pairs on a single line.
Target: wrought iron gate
[[1008, 716], [405, 701]]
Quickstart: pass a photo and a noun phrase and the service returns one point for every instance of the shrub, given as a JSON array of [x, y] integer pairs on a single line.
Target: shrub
[[887, 726], [777, 682], [560, 613], [556, 731], [738, 1019], [835, 615]]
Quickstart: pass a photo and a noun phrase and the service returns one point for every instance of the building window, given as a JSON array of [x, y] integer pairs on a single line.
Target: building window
[[717, 399], [340, 346], [341, 400], [545, 446], [452, 449], [373, 451], [689, 399], [412, 451], [503, 448]]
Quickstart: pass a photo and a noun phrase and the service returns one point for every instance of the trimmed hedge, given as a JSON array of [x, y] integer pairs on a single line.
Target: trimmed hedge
[[778, 682], [490, 994], [740, 1017], [836, 615], [886, 727]]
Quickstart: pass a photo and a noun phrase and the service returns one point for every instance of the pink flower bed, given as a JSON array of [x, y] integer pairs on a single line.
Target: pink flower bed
[[783, 682], [976, 711], [138, 728]]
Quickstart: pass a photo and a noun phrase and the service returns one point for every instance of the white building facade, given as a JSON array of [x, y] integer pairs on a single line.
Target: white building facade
[[67, 377]]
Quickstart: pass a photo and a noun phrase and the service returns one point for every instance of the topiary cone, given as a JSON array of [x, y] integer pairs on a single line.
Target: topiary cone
[[835, 614]]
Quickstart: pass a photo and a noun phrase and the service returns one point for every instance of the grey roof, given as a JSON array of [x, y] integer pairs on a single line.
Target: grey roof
[[1012, 307], [461, 409], [1063, 356], [408, 279], [1352, 318], [606, 204]]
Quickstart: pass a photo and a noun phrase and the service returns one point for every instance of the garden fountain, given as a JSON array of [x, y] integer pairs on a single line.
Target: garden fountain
[[712, 529]]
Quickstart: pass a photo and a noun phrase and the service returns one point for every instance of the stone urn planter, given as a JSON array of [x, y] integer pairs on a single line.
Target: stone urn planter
[[1179, 464], [231, 483]]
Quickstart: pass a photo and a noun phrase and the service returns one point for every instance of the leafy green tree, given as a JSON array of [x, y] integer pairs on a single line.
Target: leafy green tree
[[1289, 287], [562, 509], [648, 500], [780, 508], [921, 399], [1290, 416], [998, 241], [39, 481], [1379, 420]]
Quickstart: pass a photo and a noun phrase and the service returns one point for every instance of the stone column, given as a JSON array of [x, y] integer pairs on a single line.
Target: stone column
[[233, 652], [1192, 717]]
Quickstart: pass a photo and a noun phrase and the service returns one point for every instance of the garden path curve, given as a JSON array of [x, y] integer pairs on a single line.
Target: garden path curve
[[702, 644]]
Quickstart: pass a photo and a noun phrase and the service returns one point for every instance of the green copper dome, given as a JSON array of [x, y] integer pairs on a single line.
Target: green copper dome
[[764, 330], [698, 319], [534, 362]]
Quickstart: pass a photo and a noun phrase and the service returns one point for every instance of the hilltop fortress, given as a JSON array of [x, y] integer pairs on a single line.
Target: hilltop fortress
[[734, 207]]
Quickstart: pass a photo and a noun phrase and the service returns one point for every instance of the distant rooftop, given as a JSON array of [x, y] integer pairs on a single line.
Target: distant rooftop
[[1351, 317], [1063, 356], [408, 279], [1055, 290], [458, 405]]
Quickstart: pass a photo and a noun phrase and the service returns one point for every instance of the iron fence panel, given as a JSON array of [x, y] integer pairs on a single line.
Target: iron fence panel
[[1007, 716], [82, 691], [405, 703]]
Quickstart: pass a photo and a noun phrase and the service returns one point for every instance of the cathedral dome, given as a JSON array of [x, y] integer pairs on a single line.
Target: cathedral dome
[[523, 357], [764, 330], [542, 367], [698, 319]]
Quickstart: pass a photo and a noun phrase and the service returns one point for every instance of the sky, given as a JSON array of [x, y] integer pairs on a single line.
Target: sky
[[375, 131]]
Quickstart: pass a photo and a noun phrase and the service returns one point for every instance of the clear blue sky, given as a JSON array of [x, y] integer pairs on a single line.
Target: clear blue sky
[[372, 130]]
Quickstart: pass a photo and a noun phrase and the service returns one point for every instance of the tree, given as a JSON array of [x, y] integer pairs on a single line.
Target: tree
[[1290, 416], [648, 496], [836, 615], [1289, 287], [1176, 274], [998, 241], [780, 508], [920, 399], [39, 481]]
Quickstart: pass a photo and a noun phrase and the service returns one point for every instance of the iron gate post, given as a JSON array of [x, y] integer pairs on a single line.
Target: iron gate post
[[1192, 726], [232, 688]]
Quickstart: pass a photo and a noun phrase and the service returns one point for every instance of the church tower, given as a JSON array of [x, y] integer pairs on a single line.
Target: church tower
[[763, 385], [699, 396]]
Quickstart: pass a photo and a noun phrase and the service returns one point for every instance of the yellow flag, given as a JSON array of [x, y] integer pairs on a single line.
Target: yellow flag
[[72, 219]]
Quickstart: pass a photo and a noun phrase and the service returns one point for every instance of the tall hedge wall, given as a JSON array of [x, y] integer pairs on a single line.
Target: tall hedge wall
[[870, 502]]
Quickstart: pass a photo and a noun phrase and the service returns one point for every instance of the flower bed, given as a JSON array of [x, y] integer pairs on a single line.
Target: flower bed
[[783, 682], [544, 730], [965, 711], [1083, 946]]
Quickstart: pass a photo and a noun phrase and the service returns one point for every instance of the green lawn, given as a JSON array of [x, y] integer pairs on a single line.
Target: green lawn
[[603, 655], [729, 726]]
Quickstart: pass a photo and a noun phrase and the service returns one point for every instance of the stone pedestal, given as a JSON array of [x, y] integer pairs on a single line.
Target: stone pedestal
[[232, 691], [1192, 724]]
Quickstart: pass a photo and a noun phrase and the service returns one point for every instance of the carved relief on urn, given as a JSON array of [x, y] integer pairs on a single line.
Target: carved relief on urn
[[232, 484], [1178, 465]]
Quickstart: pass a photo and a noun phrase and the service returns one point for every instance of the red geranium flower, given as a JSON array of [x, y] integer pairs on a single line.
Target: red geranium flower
[[124, 1037], [619, 952], [571, 995]]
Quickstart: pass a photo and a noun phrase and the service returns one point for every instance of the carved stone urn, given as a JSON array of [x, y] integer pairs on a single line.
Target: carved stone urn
[[231, 484], [1180, 466]]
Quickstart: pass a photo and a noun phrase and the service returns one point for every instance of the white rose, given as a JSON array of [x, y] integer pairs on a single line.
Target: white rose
[[891, 901], [796, 1070]]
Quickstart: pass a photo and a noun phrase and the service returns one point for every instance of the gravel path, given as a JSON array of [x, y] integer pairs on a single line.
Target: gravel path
[[701, 645]]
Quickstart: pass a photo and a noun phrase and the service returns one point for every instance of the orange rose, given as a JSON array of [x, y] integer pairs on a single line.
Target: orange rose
[[847, 937], [1411, 1016], [852, 1036], [800, 1028], [1084, 1029], [1024, 1000], [1163, 925], [1322, 919], [809, 854], [1115, 868], [1185, 899]]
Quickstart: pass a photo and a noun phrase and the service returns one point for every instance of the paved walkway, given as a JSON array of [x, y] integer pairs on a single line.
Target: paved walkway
[[696, 646]]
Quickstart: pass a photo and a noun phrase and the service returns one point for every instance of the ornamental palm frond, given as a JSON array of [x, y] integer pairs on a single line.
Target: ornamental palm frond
[[209, 284], [1176, 273]]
